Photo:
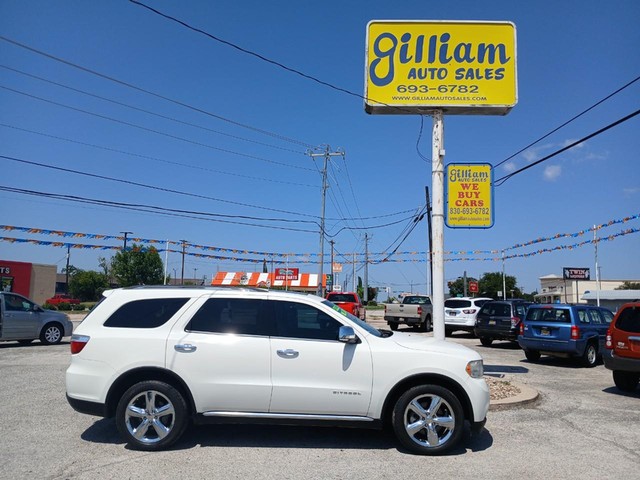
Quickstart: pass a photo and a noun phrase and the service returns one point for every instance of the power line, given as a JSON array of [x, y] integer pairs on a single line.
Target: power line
[[156, 159], [148, 112], [567, 122], [146, 129], [157, 95], [501, 180]]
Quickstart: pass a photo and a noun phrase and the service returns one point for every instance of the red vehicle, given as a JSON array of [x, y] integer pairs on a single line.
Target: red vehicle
[[62, 298], [348, 301], [622, 354]]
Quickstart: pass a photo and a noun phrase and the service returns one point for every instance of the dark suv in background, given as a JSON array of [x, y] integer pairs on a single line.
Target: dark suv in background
[[622, 347], [563, 330], [500, 320]]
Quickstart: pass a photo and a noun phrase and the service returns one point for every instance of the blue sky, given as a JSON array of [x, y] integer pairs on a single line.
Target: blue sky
[[245, 157]]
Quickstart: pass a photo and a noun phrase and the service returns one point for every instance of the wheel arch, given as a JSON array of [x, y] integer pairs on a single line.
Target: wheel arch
[[426, 379], [142, 374]]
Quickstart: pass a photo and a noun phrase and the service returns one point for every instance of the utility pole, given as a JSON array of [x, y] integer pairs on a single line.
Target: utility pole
[[124, 247], [354, 273], [327, 154], [184, 246], [430, 255], [437, 183], [333, 278], [66, 288], [365, 287]]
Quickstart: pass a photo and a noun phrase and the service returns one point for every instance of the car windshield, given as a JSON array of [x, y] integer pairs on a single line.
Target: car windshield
[[354, 319]]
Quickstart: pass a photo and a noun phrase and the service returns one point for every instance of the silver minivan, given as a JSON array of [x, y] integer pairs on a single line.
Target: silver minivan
[[24, 321]]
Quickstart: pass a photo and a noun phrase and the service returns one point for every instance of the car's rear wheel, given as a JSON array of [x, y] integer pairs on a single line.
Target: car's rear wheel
[[393, 326], [426, 326], [590, 355], [51, 334], [486, 341], [626, 381], [151, 415], [428, 419], [532, 355]]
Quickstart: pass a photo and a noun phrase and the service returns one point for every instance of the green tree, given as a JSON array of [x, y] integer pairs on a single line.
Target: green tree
[[87, 285], [456, 288], [491, 283], [627, 285], [137, 266]]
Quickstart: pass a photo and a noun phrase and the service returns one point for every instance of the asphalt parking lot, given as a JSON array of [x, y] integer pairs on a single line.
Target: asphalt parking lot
[[580, 426]]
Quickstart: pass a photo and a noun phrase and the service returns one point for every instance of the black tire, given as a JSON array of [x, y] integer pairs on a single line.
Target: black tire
[[590, 355], [25, 342], [51, 334], [428, 420], [426, 326], [532, 355], [626, 381], [393, 326], [486, 341], [151, 415], [448, 332]]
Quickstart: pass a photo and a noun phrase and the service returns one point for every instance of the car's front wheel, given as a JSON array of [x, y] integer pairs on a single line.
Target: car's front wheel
[[151, 415], [486, 341], [428, 419], [626, 381], [51, 334]]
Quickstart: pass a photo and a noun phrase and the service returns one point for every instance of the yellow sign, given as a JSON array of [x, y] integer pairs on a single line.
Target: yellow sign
[[459, 67], [469, 195]]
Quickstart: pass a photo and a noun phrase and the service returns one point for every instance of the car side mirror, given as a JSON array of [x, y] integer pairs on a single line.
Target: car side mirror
[[347, 335]]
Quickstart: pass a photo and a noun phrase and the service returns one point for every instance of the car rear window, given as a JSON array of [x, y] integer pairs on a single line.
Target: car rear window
[[457, 303], [416, 300], [148, 313], [496, 309], [558, 315], [342, 297], [629, 320]]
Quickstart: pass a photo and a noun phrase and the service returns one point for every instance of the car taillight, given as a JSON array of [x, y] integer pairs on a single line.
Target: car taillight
[[469, 311], [419, 310], [78, 342], [514, 321], [609, 341], [575, 332], [385, 309], [522, 328]]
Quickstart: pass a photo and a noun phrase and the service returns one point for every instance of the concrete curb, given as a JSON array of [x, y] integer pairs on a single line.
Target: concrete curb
[[526, 396]]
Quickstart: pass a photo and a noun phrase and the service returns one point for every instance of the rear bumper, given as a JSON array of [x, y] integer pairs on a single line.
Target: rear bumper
[[497, 334], [615, 362], [568, 347], [88, 408], [406, 320]]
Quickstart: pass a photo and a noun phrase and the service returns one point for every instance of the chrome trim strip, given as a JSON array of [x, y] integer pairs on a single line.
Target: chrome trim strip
[[285, 416]]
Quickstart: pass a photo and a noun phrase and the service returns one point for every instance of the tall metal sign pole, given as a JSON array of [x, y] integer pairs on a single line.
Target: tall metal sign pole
[[437, 220]]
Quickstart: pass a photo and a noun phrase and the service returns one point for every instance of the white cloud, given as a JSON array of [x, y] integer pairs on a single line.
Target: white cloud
[[552, 172], [509, 167], [629, 192], [569, 141]]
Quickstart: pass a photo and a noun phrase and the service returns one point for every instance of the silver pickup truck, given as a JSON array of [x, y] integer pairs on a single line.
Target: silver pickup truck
[[414, 310]]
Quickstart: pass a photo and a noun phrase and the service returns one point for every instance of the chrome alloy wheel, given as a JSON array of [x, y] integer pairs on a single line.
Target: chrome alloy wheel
[[150, 417], [52, 334], [429, 421]]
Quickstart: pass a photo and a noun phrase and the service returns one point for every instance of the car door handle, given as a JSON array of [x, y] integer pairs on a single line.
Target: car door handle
[[288, 353], [185, 347]]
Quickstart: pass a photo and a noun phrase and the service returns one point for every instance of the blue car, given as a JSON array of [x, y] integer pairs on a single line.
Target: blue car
[[563, 330]]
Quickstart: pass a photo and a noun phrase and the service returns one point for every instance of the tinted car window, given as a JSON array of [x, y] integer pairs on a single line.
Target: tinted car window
[[594, 315], [297, 320], [559, 315], [148, 313], [479, 303], [521, 310], [629, 320], [416, 300], [457, 303], [343, 297], [607, 315], [229, 315], [496, 309]]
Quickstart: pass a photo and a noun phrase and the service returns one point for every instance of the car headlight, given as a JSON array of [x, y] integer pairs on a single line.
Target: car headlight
[[475, 369]]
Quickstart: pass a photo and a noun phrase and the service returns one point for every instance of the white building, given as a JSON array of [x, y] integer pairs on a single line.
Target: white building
[[555, 289]]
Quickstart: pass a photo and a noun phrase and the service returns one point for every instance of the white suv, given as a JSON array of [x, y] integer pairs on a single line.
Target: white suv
[[157, 358], [460, 313]]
